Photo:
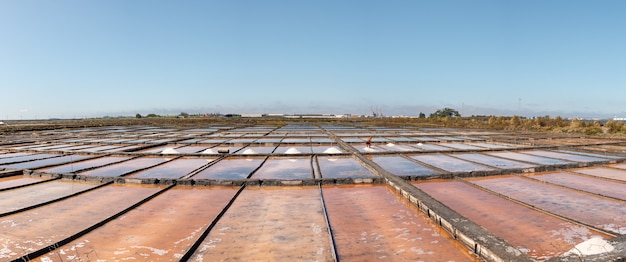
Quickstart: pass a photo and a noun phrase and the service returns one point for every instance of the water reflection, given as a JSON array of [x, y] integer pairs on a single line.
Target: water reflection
[[285, 168], [231, 169], [401, 166], [544, 236], [125, 167], [174, 169], [342, 167]]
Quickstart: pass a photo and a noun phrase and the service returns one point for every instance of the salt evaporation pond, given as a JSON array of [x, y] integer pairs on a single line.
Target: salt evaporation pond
[[256, 150], [285, 168], [174, 169], [565, 202], [370, 222], [82, 165], [430, 147], [342, 167], [529, 158], [230, 169], [273, 224], [569, 157], [603, 172], [585, 183], [493, 161], [293, 150], [16, 181], [544, 236], [401, 166], [462, 146], [397, 148], [8, 155], [326, 150], [126, 167], [32, 230], [162, 229], [99, 148], [40, 193], [25, 158], [449, 163], [46, 162], [191, 149], [490, 145], [589, 154]]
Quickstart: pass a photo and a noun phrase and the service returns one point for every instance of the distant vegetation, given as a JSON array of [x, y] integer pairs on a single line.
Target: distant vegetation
[[446, 117]]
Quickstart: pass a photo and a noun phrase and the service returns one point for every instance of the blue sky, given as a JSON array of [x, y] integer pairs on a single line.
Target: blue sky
[[95, 58]]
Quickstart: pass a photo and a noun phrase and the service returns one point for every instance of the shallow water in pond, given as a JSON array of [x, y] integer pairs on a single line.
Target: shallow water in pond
[[47, 162], [603, 172], [191, 149], [125, 167], [462, 146], [287, 224], [232, 169], [493, 161], [585, 183], [25, 158], [285, 168], [401, 166], [174, 169], [529, 158], [77, 166], [23, 197], [37, 228], [256, 150], [572, 204], [370, 222], [342, 167], [13, 181], [449, 163], [286, 149], [568, 157], [8, 155], [160, 230], [544, 236]]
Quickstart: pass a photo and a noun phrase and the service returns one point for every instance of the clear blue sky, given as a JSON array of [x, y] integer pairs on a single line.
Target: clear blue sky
[[94, 58]]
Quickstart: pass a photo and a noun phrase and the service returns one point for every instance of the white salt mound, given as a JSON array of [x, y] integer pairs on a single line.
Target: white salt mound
[[209, 151], [332, 150], [369, 149], [391, 144], [292, 150], [249, 152], [170, 150], [591, 246], [420, 144]]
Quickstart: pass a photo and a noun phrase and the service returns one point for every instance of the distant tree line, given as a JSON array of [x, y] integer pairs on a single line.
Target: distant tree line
[[450, 117]]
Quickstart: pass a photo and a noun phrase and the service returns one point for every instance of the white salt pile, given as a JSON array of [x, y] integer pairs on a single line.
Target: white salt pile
[[292, 150], [420, 144], [369, 149], [391, 144], [170, 150], [591, 246], [249, 151], [209, 151], [332, 150]]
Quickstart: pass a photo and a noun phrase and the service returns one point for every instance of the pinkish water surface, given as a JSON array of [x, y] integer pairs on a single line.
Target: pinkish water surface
[[544, 236], [601, 212], [270, 224], [32, 230], [160, 230], [370, 222]]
